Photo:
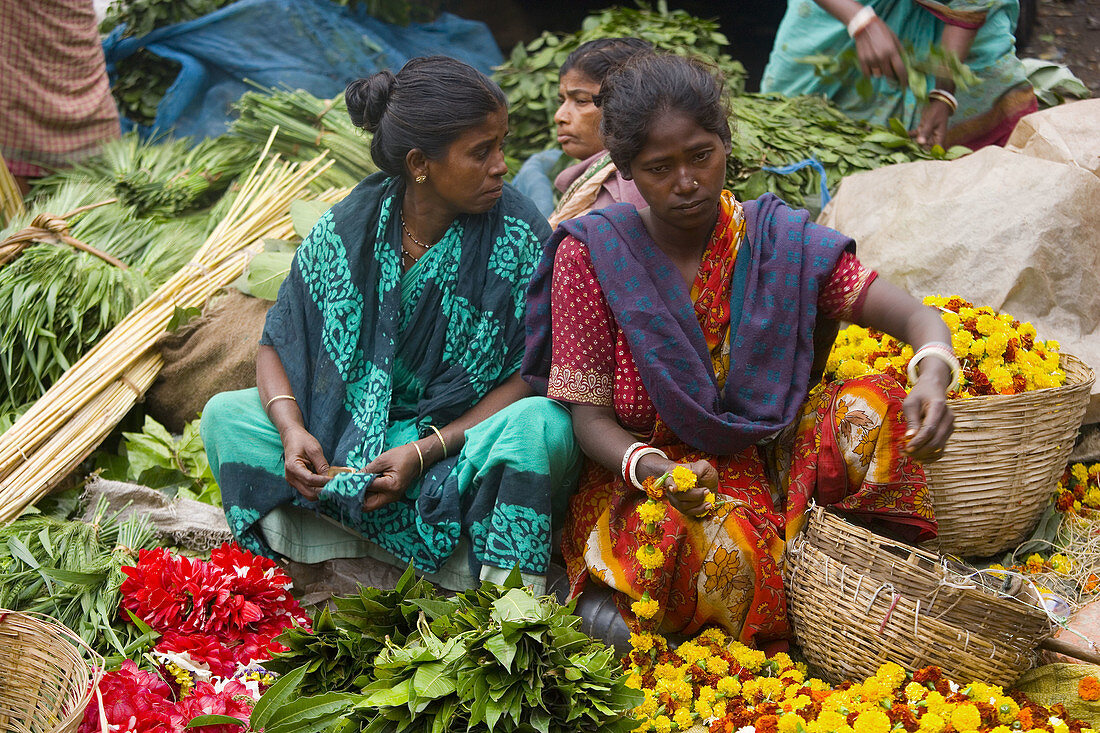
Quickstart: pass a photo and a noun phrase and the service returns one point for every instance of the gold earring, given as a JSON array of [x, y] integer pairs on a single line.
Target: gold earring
[[421, 178]]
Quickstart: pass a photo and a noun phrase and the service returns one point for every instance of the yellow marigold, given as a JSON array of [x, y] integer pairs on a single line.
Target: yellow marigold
[[634, 680], [1092, 498], [650, 557], [1001, 729], [935, 702], [1058, 725], [717, 665], [665, 671], [771, 688], [1000, 379], [1007, 710], [728, 686], [891, 673], [662, 724], [790, 723], [872, 721], [962, 341], [681, 690], [683, 718], [782, 661], [750, 659], [915, 691], [645, 724], [650, 511], [683, 478], [713, 635], [642, 642], [851, 369], [793, 676], [1094, 470], [719, 709], [874, 689], [817, 685], [691, 652], [985, 324], [1052, 345], [1061, 563], [703, 709], [1034, 562], [796, 703], [1080, 472], [750, 689], [931, 723], [645, 608], [831, 721], [977, 348], [707, 694], [951, 319], [966, 717]]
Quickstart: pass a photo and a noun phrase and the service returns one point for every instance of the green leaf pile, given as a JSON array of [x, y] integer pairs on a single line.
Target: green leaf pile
[[157, 459], [773, 130], [490, 659], [529, 77]]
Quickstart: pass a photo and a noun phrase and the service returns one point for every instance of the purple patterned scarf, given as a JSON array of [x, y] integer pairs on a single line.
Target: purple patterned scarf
[[782, 265]]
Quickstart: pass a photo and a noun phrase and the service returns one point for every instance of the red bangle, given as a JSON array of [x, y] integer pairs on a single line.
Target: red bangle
[[629, 457]]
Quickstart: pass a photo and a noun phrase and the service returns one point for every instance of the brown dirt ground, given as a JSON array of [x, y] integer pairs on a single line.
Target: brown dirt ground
[[1068, 32]]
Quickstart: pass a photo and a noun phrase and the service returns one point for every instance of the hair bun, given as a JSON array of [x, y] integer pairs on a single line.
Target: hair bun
[[368, 98]]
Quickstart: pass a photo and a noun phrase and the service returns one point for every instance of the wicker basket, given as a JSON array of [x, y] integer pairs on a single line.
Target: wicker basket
[[857, 600], [46, 680], [1002, 463]]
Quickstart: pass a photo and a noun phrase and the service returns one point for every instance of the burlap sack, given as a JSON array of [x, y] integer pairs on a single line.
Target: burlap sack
[[1068, 133], [1014, 232], [215, 352], [1053, 683]]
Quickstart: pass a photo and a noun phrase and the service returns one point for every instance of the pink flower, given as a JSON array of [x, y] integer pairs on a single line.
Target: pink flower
[[131, 696]]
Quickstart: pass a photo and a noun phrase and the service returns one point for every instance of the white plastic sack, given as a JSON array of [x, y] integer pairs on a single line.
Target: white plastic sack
[[1068, 133], [1014, 232]]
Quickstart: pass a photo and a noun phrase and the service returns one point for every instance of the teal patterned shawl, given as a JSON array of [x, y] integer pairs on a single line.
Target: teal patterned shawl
[[374, 355]]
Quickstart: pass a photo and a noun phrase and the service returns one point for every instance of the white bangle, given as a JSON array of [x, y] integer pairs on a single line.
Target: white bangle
[[861, 20], [941, 351], [626, 457], [633, 467], [946, 97]]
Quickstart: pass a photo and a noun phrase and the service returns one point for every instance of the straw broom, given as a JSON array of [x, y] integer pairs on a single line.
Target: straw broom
[[81, 408]]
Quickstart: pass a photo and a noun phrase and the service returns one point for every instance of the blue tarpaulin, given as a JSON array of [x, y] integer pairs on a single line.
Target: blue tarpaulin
[[313, 45]]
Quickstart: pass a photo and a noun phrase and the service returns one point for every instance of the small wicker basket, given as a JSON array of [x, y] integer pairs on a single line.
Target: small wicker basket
[[1002, 463], [857, 600], [47, 675]]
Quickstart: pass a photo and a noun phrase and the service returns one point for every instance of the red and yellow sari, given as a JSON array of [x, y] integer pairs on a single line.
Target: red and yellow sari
[[723, 569]]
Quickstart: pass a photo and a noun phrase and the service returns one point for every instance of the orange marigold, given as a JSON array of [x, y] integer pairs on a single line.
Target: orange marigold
[[1088, 688]]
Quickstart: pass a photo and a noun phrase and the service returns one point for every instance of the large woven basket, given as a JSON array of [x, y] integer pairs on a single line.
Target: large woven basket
[[1001, 465], [47, 675], [857, 600]]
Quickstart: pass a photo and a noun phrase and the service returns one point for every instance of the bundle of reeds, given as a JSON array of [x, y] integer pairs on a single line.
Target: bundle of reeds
[[161, 177], [74, 415], [11, 200], [307, 126], [69, 272]]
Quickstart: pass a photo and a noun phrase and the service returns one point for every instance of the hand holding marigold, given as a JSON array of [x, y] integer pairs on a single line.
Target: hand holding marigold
[[691, 487]]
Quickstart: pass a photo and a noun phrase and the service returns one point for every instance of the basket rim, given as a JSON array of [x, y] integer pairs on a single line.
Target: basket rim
[[93, 661], [1079, 375]]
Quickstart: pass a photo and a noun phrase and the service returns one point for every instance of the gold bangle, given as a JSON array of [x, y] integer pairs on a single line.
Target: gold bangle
[[279, 397], [440, 436], [420, 456]]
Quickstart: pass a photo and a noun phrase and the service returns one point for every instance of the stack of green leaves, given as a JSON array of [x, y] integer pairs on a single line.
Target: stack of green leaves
[[338, 654], [142, 78], [307, 126], [772, 130], [56, 301], [155, 458], [530, 75], [490, 659], [162, 178], [72, 571]]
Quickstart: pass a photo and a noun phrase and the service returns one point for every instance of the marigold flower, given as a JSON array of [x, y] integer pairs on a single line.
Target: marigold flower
[[1088, 688], [966, 717], [931, 723], [662, 724], [683, 478], [650, 557], [683, 718], [645, 608], [728, 686], [872, 721], [1034, 563], [1061, 563], [650, 511], [791, 723]]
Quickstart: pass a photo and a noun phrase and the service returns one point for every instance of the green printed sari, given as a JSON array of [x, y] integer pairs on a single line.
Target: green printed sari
[[374, 357]]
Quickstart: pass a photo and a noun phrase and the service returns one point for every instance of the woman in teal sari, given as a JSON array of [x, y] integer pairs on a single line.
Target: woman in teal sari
[[393, 351], [980, 32]]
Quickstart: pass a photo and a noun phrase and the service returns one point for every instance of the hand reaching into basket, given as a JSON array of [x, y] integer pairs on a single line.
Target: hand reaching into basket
[[930, 421]]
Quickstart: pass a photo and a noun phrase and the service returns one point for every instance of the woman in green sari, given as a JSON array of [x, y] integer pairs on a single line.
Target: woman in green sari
[[393, 350]]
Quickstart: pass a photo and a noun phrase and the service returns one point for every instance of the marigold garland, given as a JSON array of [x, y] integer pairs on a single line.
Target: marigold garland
[[998, 354]]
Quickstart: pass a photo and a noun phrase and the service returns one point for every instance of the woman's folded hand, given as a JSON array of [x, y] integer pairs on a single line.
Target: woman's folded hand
[[930, 420], [304, 462], [395, 470]]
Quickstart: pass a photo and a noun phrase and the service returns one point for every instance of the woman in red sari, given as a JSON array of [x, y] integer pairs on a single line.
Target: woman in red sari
[[690, 333]]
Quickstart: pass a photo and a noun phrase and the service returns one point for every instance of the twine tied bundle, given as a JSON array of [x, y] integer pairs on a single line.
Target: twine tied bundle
[[53, 229]]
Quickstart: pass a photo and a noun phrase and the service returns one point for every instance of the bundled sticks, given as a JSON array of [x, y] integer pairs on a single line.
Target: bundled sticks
[[81, 408]]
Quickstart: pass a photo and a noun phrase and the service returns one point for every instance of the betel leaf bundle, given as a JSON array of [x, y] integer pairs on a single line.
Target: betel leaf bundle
[[489, 659], [529, 77]]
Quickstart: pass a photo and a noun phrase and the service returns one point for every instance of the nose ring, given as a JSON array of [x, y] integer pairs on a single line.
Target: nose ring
[[694, 182]]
